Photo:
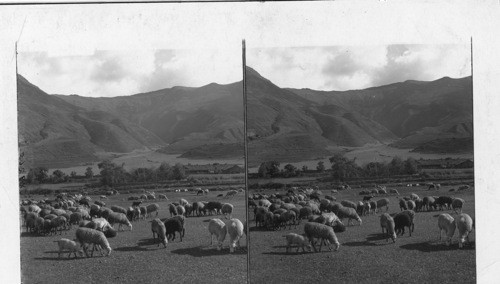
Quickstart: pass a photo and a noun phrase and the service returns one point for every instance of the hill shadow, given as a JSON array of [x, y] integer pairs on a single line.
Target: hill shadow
[[204, 251], [436, 246]]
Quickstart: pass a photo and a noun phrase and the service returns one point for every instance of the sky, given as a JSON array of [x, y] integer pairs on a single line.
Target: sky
[[106, 73], [357, 67]]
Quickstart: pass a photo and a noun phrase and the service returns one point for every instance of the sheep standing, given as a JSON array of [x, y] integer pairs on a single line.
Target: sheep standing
[[464, 225], [119, 218], [227, 210], [68, 246], [446, 223], [401, 221], [150, 208], [158, 227], [181, 210], [457, 203], [173, 225], [118, 209], [387, 223], [91, 236], [294, 239], [384, 202], [322, 232], [350, 213], [235, 232], [218, 229]]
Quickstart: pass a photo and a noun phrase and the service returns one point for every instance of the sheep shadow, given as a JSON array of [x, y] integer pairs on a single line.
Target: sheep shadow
[[436, 246], [292, 251], [204, 251], [141, 245], [63, 258]]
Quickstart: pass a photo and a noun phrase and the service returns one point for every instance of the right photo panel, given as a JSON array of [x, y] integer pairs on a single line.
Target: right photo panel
[[361, 164]]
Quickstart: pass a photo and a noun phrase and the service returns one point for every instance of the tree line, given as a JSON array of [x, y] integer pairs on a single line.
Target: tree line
[[109, 174], [343, 168]]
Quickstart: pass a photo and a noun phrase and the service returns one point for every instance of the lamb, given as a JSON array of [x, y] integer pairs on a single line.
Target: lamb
[[464, 225], [446, 223], [118, 209], [322, 232], [91, 236], [119, 218], [346, 212], [387, 222], [218, 228], [299, 240], [69, 246], [158, 227], [383, 202], [457, 203], [235, 232], [227, 210], [173, 225]]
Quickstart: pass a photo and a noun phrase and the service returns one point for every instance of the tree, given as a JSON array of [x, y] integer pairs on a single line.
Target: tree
[[73, 174], [89, 173], [320, 167], [112, 173], [41, 174], [376, 169], [411, 166], [178, 172], [164, 171], [58, 176], [290, 170], [396, 166], [269, 169], [305, 168], [342, 167]]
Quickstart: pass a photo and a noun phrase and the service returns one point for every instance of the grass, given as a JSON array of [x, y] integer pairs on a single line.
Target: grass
[[136, 258], [364, 255]]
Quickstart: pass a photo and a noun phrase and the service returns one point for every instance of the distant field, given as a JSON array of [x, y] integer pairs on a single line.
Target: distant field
[[364, 155], [146, 159], [136, 258], [364, 255]]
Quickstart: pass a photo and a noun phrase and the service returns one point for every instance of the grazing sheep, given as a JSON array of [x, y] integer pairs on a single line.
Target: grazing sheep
[[403, 205], [75, 218], [227, 210], [444, 202], [387, 223], [143, 212], [322, 232], [446, 223], [173, 225], [464, 225], [172, 209], [199, 208], [181, 210], [457, 203], [118, 209], [213, 207], [235, 232], [68, 246], [150, 208], [413, 196], [395, 191], [136, 203], [373, 206], [99, 203], [162, 196], [429, 202], [100, 224], [183, 202], [91, 236], [410, 204], [231, 193], [119, 218], [383, 202], [347, 203], [158, 227], [294, 239], [218, 229], [401, 221], [463, 187], [189, 209], [346, 212]]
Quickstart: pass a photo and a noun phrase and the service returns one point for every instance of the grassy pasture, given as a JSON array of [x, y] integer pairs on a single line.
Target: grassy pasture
[[136, 258], [364, 255]]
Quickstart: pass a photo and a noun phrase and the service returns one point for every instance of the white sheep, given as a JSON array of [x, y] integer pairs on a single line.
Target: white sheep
[[446, 223], [464, 225], [294, 239], [183, 202], [101, 224], [322, 232], [387, 223], [350, 213], [235, 232], [94, 237], [68, 246], [119, 218], [150, 208], [227, 210], [384, 202], [218, 228], [158, 227]]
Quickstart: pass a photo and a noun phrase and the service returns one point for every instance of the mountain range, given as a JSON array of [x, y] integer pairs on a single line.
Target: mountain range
[[62, 130], [300, 124]]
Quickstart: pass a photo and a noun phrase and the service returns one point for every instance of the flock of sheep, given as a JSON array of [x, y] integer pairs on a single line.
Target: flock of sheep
[[96, 221], [324, 215]]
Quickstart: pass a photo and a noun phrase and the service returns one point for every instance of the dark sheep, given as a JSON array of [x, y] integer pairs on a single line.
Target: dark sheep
[[173, 225], [444, 201], [402, 220], [213, 206]]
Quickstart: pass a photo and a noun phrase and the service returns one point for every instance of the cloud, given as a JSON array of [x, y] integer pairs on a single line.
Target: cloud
[[127, 72], [358, 67]]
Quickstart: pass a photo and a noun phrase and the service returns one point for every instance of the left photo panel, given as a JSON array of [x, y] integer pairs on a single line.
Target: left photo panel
[[131, 166]]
